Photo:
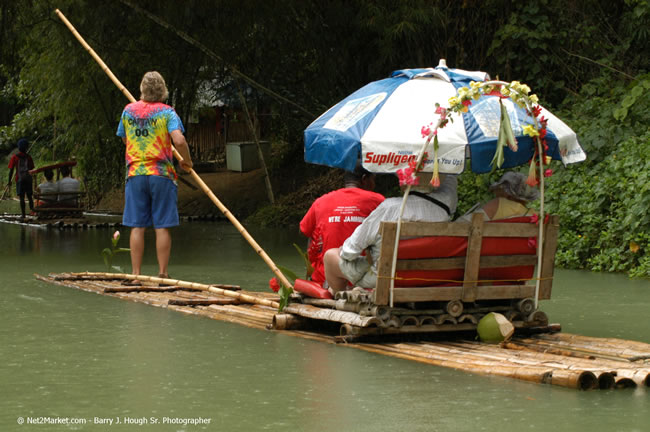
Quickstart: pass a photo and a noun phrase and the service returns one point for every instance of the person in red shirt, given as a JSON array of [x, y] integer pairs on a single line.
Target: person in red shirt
[[333, 217], [22, 163]]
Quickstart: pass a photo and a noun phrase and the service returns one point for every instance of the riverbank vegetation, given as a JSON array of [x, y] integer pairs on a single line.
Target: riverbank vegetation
[[587, 60]]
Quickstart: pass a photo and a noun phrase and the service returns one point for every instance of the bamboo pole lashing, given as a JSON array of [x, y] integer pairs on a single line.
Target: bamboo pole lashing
[[258, 249]]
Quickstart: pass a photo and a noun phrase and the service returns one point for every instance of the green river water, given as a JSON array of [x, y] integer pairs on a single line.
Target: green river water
[[69, 354]]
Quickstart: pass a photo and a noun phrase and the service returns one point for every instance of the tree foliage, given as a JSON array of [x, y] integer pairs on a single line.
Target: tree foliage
[[587, 59]]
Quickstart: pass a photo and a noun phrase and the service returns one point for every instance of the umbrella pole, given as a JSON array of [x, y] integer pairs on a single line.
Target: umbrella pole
[[540, 236], [193, 173], [401, 212]]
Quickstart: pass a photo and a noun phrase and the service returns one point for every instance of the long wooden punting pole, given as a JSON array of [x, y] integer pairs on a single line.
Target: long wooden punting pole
[[193, 173], [243, 297], [4, 193]]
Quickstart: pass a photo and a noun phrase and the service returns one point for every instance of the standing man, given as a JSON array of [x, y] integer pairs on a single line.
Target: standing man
[[148, 128], [333, 217], [22, 162]]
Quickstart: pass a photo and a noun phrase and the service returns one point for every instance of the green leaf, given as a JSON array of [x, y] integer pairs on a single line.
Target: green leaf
[[285, 292], [107, 255], [290, 275], [305, 258]]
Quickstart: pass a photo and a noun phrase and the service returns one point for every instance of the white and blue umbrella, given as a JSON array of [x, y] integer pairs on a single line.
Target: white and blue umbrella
[[382, 122]]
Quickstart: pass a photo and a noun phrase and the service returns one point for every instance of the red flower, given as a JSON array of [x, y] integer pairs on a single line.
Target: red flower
[[532, 242], [548, 172], [537, 110], [467, 102], [274, 285], [534, 218]]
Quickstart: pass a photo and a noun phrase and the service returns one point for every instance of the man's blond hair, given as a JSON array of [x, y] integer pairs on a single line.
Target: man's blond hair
[[153, 88]]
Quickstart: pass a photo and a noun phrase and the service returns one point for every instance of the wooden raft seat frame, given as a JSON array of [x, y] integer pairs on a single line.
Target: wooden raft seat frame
[[469, 289]]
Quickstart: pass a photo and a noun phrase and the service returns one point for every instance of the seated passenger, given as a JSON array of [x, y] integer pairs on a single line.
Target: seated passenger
[[333, 217], [68, 188], [424, 203], [48, 189], [512, 198]]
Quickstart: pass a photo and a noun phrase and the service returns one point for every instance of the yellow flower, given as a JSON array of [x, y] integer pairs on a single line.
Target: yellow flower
[[524, 89], [634, 247], [530, 131], [462, 92], [533, 99], [453, 101], [475, 85], [505, 91]]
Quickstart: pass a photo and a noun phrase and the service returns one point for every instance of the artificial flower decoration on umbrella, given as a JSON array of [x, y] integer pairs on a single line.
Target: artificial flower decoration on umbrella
[[385, 122]]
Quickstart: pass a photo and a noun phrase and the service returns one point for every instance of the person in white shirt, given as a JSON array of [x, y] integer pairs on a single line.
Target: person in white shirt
[[424, 203], [48, 189], [68, 188]]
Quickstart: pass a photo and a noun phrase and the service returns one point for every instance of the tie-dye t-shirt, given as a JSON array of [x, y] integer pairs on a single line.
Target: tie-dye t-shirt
[[146, 127]]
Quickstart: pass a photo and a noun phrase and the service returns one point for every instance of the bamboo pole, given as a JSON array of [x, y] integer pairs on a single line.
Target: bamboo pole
[[603, 368], [585, 340], [578, 379], [193, 173], [344, 317], [5, 192], [243, 297]]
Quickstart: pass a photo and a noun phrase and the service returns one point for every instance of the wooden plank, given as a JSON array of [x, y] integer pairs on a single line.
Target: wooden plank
[[384, 266], [446, 293], [510, 230], [431, 263], [144, 288], [424, 229], [419, 294], [459, 262], [202, 302], [502, 292], [473, 259], [549, 248], [461, 229]]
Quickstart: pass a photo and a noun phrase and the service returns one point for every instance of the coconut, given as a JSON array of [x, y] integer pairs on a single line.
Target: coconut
[[494, 328]]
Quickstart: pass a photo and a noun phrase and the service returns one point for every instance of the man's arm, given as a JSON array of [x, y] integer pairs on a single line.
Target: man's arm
[[181, 145], [364, 236]]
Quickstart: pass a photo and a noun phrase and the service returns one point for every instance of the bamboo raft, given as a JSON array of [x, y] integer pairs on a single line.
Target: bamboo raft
[[68, 223], [566, 360]]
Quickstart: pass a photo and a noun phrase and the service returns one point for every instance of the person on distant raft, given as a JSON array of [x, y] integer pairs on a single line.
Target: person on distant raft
[[425, 203], [68, 188], [333, 217], [148, 128], [48, 189], [512, 197], [22, 162]]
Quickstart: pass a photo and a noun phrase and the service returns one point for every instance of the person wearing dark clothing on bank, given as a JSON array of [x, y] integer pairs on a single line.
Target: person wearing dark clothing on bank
[[22, 162]]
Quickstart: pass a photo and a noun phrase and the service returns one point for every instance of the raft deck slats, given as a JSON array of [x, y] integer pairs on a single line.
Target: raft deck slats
[[601, 363]]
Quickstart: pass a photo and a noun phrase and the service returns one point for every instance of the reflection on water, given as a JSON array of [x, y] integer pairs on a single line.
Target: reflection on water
[[71, 353]]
